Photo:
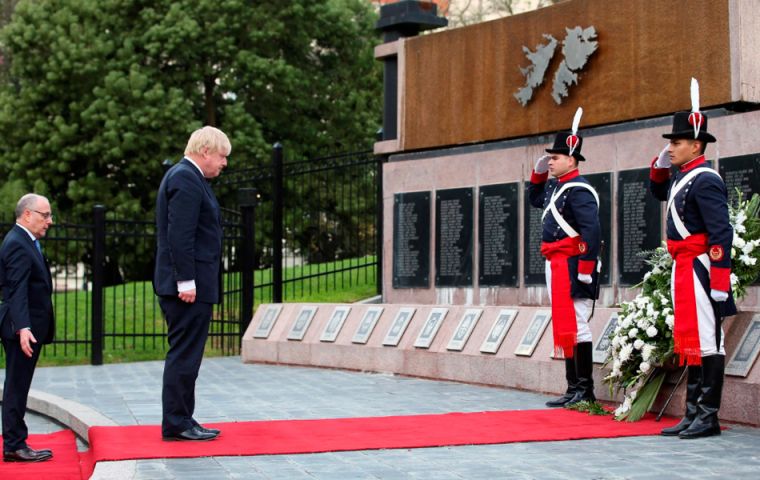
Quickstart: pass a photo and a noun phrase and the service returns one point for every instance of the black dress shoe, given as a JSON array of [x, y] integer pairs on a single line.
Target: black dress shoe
[[27, 455], [191, 434], [215, 431]]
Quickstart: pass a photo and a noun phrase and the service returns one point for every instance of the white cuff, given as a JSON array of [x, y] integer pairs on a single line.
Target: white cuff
[[185, 285]]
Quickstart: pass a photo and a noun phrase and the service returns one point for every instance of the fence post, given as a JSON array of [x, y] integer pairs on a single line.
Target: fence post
[[277, 207], [379, 223], [247, 199], [98, 276]]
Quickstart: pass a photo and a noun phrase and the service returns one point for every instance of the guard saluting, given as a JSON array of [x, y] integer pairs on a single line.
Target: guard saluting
[[699, 240], [570, 242]]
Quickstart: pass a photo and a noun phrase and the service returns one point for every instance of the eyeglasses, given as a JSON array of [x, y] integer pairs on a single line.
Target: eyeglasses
[[45, 215]]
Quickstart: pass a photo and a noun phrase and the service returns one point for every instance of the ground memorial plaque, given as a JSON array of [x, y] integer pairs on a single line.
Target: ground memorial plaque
[[534, 270], [430, 328], [498, 331], [602, 183], [367, 324], [303, 320], [746, 352], [639, 219], [497, 235], [332, 329], [741, 172], [398, 327], [267, 321], [411, 240], [453, 237], [464, 329], [603, 342], [534, 333]]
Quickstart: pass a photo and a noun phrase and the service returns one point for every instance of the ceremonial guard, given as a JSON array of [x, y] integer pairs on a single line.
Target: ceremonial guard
[[699, 240], [571, 239]]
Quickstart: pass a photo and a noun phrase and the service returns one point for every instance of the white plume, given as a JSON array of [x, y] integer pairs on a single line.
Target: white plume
[[577, 119], [694, 95]]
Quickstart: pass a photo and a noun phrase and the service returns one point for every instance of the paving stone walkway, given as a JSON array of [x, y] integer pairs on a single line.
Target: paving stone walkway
[[228, 390]]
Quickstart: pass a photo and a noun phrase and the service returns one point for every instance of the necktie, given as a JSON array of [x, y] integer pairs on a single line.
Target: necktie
[[39, 247]]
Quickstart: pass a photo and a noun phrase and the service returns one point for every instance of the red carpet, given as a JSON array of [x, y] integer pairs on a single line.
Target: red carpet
[[330, 435], [63, 466], [326, 435]]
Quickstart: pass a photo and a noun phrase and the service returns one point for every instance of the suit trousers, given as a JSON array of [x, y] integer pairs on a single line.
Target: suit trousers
[[19, 370], [188, 325]]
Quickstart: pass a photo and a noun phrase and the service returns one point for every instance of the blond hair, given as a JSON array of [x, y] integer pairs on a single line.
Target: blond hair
[[208, 137]]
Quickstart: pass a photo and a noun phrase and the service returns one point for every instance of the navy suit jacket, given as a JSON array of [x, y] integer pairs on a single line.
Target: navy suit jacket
[[189, 229], [27, 288]]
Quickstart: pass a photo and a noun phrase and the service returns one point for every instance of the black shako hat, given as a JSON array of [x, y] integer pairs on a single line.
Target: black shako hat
[[690, 126], [563, 143]]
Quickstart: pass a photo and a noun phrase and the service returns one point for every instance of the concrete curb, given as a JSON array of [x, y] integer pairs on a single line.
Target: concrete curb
[[79, 418]]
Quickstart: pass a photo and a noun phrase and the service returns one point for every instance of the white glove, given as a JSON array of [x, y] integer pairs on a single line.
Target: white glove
[[718, 296], [542, 164], [584, 278], [663, 160]]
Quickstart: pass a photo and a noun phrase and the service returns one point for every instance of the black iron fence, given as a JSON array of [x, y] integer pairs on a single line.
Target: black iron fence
[[325, 211]]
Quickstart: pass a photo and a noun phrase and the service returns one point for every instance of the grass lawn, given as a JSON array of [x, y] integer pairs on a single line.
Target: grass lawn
[[134, 329]]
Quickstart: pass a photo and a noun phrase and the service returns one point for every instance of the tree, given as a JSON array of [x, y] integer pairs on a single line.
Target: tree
[[466, 12], [101, 92]]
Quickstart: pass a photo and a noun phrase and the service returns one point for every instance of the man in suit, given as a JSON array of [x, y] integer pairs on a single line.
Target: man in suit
[[26, 319], [187, 275]]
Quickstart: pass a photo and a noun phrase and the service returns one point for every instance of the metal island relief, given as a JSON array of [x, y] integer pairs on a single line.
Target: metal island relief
[[577, 47]]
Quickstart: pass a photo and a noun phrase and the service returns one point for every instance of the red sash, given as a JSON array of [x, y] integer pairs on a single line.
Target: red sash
[[686, 326], [564, 326]]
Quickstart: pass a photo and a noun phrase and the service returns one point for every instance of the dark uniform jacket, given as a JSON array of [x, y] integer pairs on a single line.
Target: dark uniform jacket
[[578, 207], [702, 206]]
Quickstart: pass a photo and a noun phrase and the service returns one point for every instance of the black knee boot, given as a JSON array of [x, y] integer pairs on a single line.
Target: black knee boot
[[693, 381], [572, 384], [705, 422], [584, 367]]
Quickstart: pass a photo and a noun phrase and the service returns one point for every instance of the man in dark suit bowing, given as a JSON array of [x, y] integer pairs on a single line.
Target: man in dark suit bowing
[[188, 259], [26, 319]]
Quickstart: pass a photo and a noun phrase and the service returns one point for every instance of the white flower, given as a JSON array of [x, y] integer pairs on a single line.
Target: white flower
[[747, 260], [615, 341], [633, 394], [646, 352], [734, 279], [669, 320], [622, 409], [625, 353], [633, 332], [748, 247], [652, 331], [644, 367], [738, 241], [638, 344]]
